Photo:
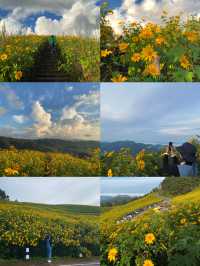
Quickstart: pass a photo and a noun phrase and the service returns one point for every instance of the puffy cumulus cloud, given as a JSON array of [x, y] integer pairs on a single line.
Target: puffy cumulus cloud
[[19, 118], [151, 10], [72, 124], [91, 99], [42, 120], [75, 17], [14, 27], [81, 19]]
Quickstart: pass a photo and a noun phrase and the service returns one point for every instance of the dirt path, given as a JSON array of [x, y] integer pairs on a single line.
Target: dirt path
[[46, 66], [54, 263], [164, 205]]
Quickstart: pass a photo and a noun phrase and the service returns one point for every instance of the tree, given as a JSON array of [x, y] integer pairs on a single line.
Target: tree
[[3, 195]]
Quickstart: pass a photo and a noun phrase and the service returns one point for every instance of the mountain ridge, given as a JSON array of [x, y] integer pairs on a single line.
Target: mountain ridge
[[132, 145], [76, 147]]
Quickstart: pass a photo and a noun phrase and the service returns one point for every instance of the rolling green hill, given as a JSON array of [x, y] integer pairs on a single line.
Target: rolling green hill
[[64, 209], [80, 148]]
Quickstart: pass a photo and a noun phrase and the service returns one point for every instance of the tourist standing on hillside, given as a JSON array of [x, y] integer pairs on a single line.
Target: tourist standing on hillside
[[48, 242], [52, 43]]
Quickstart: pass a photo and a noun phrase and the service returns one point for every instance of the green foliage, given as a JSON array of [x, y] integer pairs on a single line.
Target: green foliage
[[173, 50], [176, 186], [3, 195], [80, 58], [123, 163], [34, 163], [176, 233], [23, 225]]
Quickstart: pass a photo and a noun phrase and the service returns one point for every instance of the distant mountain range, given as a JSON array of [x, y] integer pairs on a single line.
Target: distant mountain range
[[79, 147], [115, 200], [133, 146]]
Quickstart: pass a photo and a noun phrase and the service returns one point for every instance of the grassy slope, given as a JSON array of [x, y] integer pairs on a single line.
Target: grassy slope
[[65, 211], [178, 190], [119, 211], [193, 196]]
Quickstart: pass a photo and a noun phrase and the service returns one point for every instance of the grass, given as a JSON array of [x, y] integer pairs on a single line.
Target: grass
[[34, 163], [63, 209], [117, 212], [193, 196], [172, 186]]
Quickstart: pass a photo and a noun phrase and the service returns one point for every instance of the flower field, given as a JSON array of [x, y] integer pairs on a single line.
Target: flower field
[[156, 237], [24, 226], [17, 55], [147, 51], [79, 57], [144, 163], [34, 163], [123, 163]]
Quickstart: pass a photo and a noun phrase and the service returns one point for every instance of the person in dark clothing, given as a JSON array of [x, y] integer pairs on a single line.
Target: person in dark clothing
[[188, 155], [52, 43], [170, 161], [48, 242]]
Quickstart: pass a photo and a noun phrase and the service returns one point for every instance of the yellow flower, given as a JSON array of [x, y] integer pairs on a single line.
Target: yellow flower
[[148, 53], [123, 47], [110, 173], [109, 154], [191, 36], [148, 263], [119, 78], [10, 172], [18, 75], [184, 62], [160, 40], [135, 39], [4, 57], [105, 53], [140, 155], [136, 57], [150, 238], [145, 33], [141, 165], [112, 254], [152, 70], [183, 221]]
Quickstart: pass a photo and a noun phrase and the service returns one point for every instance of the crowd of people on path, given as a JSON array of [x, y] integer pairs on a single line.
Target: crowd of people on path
[[180, 161]]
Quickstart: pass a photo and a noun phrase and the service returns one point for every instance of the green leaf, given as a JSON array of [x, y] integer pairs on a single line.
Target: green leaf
[[197, 72], [189, 76]]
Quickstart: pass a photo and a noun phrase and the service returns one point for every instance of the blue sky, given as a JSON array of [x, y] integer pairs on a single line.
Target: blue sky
[[118, 3], [153, 113], [45, 17], [131, 186], [149, 10], [49, 110], [59, 190]]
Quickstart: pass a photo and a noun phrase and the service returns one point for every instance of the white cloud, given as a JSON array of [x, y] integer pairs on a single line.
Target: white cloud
[[15, 27], [19, 119], [151, 10], [76, 17], [72, 123], [42, 120]]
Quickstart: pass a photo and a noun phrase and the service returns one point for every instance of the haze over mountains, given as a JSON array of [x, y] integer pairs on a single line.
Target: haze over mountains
[[76, 147], [133, 146]]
